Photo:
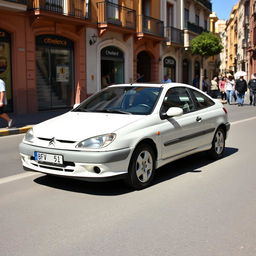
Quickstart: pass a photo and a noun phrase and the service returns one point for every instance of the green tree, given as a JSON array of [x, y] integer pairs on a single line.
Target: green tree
[[206, 45]]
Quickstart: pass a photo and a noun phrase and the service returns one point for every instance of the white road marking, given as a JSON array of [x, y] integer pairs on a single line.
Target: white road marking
[[244, 120], [17, 177]]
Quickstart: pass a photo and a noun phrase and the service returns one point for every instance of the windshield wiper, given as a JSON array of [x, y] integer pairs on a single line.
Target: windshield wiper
[[108, 110], [80, 110]]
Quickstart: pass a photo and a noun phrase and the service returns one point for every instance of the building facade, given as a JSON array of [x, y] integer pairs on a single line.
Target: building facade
[[231, 61], [43, 42], [252, 38], [55, 53]]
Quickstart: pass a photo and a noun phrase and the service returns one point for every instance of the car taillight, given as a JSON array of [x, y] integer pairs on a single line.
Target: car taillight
[[225, 110]]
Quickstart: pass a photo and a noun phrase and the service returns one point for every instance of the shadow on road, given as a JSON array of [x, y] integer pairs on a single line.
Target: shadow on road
[[190, 164]]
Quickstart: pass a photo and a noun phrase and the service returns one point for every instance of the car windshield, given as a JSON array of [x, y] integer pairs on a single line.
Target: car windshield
[[123, 100]]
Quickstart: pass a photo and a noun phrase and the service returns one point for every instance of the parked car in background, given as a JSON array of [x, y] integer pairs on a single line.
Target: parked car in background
[[127, 131]]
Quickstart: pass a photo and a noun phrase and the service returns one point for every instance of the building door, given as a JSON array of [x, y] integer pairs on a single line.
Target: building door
[[5, 66], [170, 68], [144, 67], [54, 72], [185, 71], [112, 66], [197, 69], [113, 11]]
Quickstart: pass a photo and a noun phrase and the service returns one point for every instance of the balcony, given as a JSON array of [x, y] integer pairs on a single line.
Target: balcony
[[207, 4], [195, 28], [74, 8], [174, 36], [13, 5], [117, 15], [151, 26]]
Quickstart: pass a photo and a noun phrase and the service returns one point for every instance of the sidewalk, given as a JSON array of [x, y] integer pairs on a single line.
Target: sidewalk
[[23, 122]]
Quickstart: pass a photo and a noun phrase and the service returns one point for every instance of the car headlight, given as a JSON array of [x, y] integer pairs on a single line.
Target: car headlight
[[29, 136], [97, 142]]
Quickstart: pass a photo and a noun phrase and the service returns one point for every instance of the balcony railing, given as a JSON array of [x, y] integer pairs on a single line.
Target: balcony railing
[[17, 1], [75, 8], [110, 13], [174, 35], [151, 26], [194, 28], [206, 3], [14, 5]]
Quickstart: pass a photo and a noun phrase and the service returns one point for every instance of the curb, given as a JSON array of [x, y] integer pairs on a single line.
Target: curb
[[6, 132]]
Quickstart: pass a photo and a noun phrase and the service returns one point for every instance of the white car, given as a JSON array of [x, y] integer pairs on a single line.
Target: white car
[[127, 131]]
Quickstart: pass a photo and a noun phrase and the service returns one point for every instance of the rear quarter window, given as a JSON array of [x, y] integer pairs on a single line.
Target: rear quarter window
[[202, 101]]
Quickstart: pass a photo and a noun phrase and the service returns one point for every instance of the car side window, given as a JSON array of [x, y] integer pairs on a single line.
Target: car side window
[[178, 97], [202, 100]]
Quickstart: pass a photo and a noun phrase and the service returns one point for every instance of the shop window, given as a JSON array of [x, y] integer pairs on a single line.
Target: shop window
[[54, 72]]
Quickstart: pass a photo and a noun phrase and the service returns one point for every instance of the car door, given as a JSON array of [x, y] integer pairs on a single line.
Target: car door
[[208, 114], [180, 134]]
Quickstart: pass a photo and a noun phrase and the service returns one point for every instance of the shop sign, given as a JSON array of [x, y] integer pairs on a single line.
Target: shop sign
[[169, 62], [54, 41], [112, 52]]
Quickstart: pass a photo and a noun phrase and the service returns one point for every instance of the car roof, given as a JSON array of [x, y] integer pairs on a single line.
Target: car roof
[[159, 85]]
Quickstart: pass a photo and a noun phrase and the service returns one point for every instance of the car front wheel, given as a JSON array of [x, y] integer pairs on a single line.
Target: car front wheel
[[142, 167], [218, 144]]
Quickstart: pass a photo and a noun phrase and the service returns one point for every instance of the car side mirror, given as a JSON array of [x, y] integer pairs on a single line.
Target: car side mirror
[[172, 112]]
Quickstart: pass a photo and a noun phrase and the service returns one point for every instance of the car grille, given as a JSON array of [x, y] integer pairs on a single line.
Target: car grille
[[61, 141]]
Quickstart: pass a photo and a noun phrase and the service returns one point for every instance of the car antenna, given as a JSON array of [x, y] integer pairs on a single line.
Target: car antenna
[[136, 80]]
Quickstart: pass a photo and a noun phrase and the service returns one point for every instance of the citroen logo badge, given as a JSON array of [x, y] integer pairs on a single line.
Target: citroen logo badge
[[52, 142]]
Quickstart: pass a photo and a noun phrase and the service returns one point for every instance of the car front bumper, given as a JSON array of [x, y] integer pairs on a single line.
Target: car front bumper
[[94, 166]]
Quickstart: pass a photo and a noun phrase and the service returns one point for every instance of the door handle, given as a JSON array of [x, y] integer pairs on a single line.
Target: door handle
[[199, 119]]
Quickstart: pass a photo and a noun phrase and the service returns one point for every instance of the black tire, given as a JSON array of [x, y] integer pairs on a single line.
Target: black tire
[[218, 145], [142, 167]]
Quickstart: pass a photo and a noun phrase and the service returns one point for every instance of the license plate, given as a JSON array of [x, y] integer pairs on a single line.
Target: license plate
[[48, 158]]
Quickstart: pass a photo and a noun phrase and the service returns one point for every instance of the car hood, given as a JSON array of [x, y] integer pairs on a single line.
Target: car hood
[[77, 126]]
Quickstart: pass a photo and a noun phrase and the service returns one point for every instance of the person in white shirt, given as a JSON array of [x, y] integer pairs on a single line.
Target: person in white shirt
[[3, 103], [229, 88]]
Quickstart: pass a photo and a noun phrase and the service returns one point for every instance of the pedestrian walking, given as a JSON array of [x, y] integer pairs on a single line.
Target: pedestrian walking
[[3, 103], [230, 89], [252, 88], [206, 85], [196, 81], [166, 79], [222, 84], [241, 88], [214, 90]]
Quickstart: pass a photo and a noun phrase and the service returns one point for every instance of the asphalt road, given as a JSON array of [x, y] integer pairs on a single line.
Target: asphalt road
[[196, 207]]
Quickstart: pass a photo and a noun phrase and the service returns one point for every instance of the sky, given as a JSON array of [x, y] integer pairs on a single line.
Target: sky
[[223, 8]]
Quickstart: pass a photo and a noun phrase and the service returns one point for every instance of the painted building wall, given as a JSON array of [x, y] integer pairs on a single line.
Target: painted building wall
[[22, 91]]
